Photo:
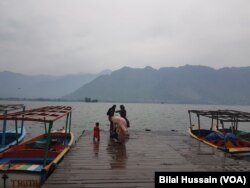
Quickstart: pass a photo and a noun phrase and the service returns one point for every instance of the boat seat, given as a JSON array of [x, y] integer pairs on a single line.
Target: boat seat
[[36, 145], [58, 147], [25, 160], [33, 153], [41, 144]]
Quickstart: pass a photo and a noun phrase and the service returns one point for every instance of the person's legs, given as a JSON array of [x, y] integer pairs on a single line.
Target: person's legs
[[111, 127]]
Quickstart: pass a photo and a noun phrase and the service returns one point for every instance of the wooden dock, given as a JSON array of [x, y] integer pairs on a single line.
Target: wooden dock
[[109, 164]]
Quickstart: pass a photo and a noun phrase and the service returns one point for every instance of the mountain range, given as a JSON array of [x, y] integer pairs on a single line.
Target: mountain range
[[15, 85], [185, 84]]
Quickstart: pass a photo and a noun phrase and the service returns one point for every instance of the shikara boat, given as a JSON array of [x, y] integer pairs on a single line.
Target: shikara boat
[[10, 136], [30, 163], [223, 140]]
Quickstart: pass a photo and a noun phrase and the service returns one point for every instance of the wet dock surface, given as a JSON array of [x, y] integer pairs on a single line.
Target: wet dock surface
[[133, 164]]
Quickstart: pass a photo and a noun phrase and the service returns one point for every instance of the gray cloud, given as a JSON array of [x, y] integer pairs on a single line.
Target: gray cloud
[[61, 36]]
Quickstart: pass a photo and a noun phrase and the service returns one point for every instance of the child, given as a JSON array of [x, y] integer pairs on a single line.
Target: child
[[96, 134]]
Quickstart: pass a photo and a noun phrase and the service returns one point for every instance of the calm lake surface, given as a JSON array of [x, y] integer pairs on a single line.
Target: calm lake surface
[[156, 117]]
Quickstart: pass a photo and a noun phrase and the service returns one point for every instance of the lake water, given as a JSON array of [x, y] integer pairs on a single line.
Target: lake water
[[156, 117]]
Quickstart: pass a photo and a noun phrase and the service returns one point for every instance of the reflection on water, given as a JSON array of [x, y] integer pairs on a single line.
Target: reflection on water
[[96, 148], [118, 154], [216, 157]]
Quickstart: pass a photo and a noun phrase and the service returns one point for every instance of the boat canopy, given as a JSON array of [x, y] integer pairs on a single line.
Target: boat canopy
[[223, 115], [47, 114], [4, 108]]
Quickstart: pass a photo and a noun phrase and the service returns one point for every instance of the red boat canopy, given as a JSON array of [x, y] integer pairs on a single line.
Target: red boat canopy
[[10, 107], [46, 114]]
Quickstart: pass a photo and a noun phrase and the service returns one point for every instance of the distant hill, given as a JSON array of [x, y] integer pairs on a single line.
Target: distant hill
[[15, 85], [186, 84]]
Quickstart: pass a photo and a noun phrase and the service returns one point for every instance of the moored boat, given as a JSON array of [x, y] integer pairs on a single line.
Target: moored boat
[[30, 163], [225, 141], [9, 135]]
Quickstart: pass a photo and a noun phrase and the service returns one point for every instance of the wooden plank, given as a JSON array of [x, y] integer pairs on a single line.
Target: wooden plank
[[108, 164]]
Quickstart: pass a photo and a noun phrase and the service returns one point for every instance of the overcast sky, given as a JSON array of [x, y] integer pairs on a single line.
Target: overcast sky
[[73, 36]]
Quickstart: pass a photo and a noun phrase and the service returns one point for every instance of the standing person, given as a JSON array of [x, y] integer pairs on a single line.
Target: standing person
[[123, 114], [96, 132], [110, 113]]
